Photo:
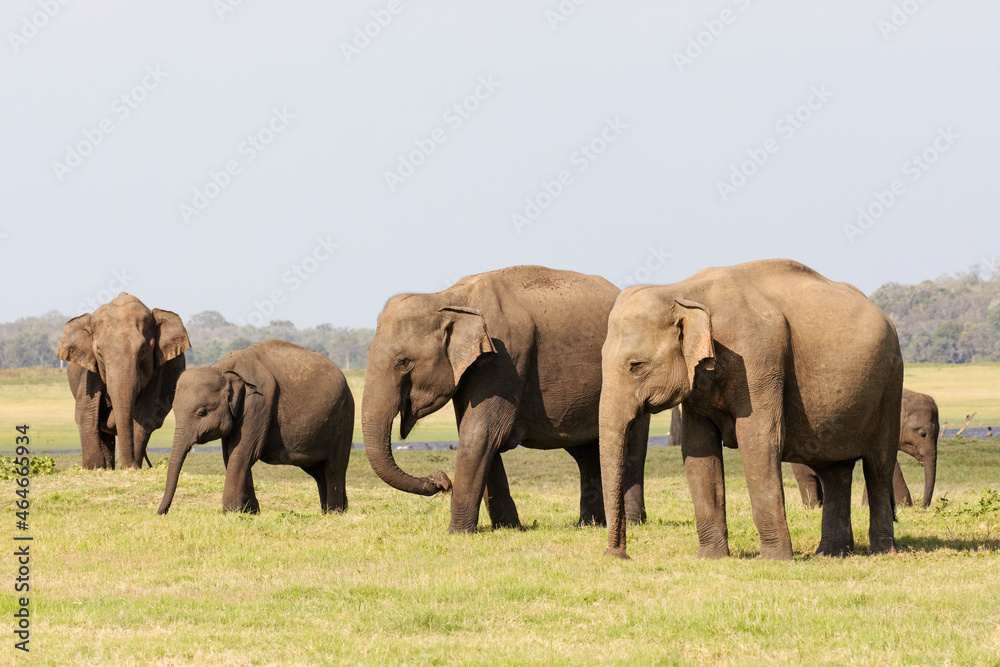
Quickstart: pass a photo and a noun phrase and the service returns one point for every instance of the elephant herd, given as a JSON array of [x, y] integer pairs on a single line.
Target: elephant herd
[[768, 357]]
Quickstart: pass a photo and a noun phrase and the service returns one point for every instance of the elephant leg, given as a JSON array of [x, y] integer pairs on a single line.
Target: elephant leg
[[484, 426], [318, 472], [836, 536], [107, 450], [899, 488], [93, 441], [759, 438], [335, 471], [250, 503], [878, 483], [234, 494], [588, 459], [809, 485], [635, 471], [900, 492], [701, 450], [499, 503]]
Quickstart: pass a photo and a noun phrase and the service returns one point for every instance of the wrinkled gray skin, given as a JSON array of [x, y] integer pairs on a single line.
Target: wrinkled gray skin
[[519, 352], [918, 436], [773, 359], [124, 363], [273, 402]]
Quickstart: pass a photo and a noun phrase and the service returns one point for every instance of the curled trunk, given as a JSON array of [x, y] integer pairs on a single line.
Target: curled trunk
[[377, 413], [178, 453]]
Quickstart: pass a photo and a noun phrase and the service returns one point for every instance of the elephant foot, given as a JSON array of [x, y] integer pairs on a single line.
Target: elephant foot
[[514, 524], [460, 530], [882, 547], [635, 518], [591, 521], [617, 553], [780, 550], [713, 551], [835, 551]]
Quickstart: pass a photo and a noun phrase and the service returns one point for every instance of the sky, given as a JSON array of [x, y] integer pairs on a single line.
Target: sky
[[306, 161]]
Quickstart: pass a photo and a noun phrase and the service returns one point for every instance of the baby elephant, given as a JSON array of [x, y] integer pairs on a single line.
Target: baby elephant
[[273, 402]]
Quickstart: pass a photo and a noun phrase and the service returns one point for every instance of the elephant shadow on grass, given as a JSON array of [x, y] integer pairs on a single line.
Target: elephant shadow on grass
[[918, 543]]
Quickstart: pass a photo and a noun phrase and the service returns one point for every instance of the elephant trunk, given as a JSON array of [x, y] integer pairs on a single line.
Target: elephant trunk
[[614, 431], [122, 392], [930, 473], [179, 451], [379, 408]]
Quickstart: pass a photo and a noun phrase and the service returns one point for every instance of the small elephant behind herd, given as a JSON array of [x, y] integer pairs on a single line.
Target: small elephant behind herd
[[768, 357]]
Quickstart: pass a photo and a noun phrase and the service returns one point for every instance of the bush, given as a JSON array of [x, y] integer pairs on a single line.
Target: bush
[[39, 465]]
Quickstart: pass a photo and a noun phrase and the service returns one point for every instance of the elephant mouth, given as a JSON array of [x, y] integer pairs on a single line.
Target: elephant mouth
[[407, 418]]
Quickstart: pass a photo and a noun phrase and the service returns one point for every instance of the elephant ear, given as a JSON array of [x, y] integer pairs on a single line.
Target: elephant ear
[[249, 409], [76, 344], [172, 337], [466, 338], [695, 324], [236, 392]]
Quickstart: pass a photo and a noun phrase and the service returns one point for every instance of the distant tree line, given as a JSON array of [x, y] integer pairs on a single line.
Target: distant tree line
[[32, 341], [954, 319]]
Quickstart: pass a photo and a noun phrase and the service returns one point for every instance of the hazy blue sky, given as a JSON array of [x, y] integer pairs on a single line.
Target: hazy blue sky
[[654, 138]]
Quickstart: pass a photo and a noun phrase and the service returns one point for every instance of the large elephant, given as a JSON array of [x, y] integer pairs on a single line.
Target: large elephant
[[773, 359], [124, 363], [273, 402], [918, 436], [518, 350]]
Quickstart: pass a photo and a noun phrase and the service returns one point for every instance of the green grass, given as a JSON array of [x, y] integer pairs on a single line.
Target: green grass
[[114, 584]]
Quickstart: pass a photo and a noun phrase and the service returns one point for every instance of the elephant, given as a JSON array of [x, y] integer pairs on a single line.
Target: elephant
[[772, 359], [918, 436], [274, 402], [124, 361], [518, 351]]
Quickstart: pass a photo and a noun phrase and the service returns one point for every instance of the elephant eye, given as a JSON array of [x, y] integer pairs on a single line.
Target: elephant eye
[[635, 366], [201, 412], [922, 433], [402, 363]]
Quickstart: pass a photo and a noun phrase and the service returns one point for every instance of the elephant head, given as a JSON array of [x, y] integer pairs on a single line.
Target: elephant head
[[125, 343], [918, 435], [654, 346], [207, 404], [422, 347]]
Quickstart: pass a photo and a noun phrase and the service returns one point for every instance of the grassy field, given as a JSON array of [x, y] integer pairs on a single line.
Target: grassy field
[[41, 397], [114, 584]]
